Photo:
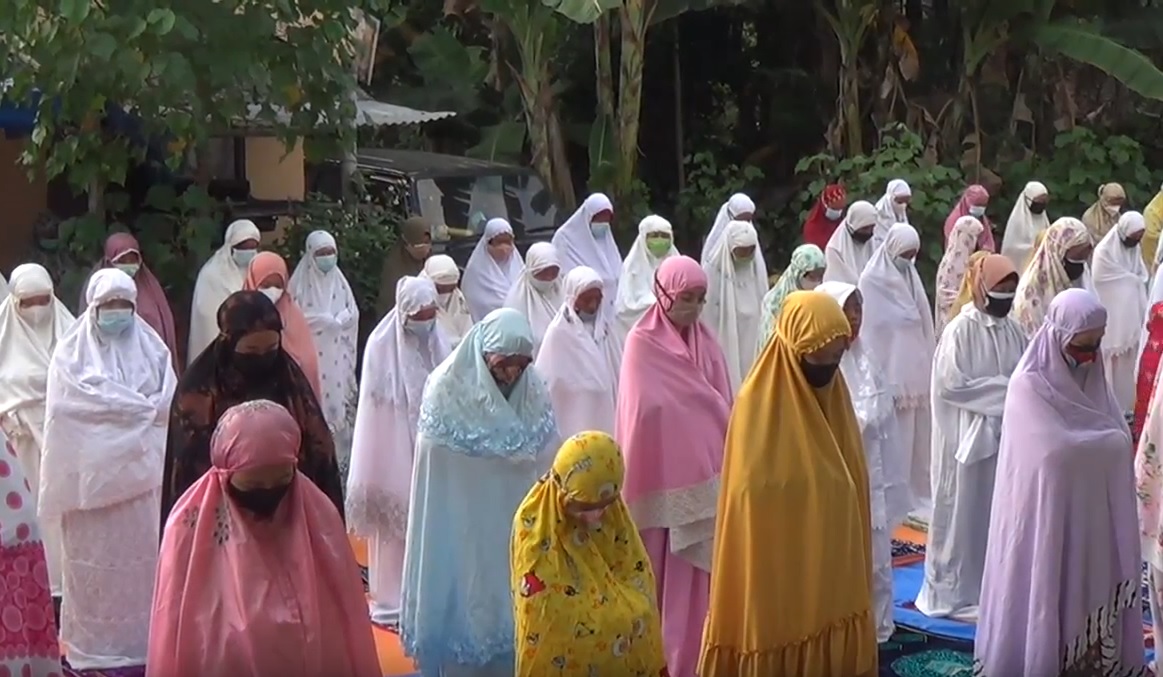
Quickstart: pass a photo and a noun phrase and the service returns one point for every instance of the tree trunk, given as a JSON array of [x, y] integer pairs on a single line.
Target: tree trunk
[[605, 70], [634, 19], [679, 151]]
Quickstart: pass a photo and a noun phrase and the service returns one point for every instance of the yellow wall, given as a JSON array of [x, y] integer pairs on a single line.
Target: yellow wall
[[21, 202], [274, 174]]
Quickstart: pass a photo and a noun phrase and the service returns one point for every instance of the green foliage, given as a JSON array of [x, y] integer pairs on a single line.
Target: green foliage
[[187, 71], [708, 185], [1085, 45], [1080, 163], [363, 233], [936, 188]]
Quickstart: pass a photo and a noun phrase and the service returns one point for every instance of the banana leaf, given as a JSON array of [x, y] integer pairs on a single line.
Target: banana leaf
[[1085, 45]]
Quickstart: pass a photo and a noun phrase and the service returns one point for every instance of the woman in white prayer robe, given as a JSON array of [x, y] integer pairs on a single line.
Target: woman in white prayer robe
[[452, 314], [32, 321], [977, 354], [898, 332], [738, 208], [851, 247], [223, 274], [1027, 221], [493, 268], [581, 358], [402, 350], [537, 292], [888, 462], [585, 240], [1120, 281], [892, 208], [110, 384], [654, 244], [737, 282], [324, 295]]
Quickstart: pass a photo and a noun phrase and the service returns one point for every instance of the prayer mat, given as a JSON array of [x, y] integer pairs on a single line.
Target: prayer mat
[[912, 653], [138, 671], [906, 552]]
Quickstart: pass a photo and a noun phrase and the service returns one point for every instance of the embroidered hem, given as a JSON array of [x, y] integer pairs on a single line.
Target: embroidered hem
[[688, 513], [1097, 642], [372, 513]]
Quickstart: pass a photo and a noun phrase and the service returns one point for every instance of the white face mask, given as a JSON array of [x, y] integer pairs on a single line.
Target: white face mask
[[272, 293], [35, 315], [1113, 210], [542, 285], [243, 257], [977, 212], [833, 214], [419, 327]]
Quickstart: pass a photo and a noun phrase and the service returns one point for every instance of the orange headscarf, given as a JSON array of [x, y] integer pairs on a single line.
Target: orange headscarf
[[297, 338]]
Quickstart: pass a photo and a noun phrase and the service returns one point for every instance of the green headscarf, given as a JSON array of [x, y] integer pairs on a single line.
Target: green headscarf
[[805, 258]]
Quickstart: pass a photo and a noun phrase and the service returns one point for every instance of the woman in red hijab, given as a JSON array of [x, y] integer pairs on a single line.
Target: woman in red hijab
[[1148, 368], [973, 203], [825, 215]]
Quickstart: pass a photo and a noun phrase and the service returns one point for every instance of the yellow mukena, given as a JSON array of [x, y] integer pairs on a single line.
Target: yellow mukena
[[583, 591], [791, 588]]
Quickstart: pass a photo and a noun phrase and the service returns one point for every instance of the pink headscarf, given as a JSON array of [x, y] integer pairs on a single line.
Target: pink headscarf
[[674, 401], [298, 340], [236, 596], [152, 304], [974, 196]]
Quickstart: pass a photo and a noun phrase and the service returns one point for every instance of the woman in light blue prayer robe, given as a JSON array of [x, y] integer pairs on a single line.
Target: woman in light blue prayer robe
[[486, 434]]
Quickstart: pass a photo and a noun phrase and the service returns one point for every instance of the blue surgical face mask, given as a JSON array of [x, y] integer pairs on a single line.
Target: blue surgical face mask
[[420, 327], [327, 262], [902, 264], [243, 257], [129, 269], [114, 321], [588, 318], [833, 214], [599, 229], [977, 212]]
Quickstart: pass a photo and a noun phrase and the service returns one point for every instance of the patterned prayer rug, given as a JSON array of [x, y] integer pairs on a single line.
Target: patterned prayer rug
[[912, 653], [906, 552]]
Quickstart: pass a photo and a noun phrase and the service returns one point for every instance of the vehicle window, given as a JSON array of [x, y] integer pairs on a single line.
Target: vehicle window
[[468, 202]]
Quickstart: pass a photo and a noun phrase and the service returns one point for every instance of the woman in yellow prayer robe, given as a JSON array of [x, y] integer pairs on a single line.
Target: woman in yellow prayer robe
[[583, 590], [791, 589]]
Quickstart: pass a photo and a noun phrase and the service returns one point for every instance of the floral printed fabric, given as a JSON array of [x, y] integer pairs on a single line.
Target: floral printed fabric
[[959, 247], [583, 593]]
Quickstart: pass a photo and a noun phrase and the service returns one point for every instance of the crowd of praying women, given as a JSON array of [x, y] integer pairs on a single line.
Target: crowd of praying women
[[572, 462]]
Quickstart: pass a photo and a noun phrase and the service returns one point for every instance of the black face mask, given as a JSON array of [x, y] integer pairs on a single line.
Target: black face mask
[[861, 236], [1073, 269], [1037, 207], [1129, 244], [818, 375], [998, 307], [256, 365], [261, 502]]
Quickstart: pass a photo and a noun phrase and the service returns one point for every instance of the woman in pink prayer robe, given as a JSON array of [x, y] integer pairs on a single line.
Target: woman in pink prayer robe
[[1060, 591], [256, 575], [124, 253], [674, 401], [973, 203]]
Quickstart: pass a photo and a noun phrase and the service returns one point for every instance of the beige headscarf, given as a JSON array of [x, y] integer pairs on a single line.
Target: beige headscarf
[[1101, 216], [400, 262]]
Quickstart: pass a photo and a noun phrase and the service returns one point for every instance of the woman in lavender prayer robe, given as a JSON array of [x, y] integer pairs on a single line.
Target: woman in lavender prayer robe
[[1060, 591]]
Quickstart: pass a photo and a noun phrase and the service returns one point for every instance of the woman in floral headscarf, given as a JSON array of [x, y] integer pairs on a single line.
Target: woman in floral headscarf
[[583, 587], [1101, 216], [973, 203], [1059, 263], [825, 215], [805, 272], [959, 245]]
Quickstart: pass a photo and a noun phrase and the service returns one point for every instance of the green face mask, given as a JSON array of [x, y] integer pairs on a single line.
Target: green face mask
[[658, 246]]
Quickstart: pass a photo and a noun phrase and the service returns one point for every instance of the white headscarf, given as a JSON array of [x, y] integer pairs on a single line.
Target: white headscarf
[[537, 300], [636, 286], [107, 408], [27, 345], [736, 205], [451, 308], [577, 246], [898, 323], [887, 213], [486, 282], [735, 299], [580, 361], [1023, 226], [1120, 282], [396, 363], [331, 311], [220, 277], [844, 257]]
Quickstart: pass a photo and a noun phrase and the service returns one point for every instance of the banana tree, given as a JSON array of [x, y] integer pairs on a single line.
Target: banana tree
[[850, 21]]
